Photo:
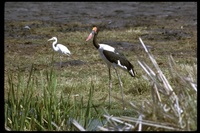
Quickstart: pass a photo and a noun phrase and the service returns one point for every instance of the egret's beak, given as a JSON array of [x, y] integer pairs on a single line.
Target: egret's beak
[[50, 39], [90, 35]]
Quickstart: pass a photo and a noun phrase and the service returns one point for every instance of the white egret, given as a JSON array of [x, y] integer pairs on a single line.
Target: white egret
[[60, 48]]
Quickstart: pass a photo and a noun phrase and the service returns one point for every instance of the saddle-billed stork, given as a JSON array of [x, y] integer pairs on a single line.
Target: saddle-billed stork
[[112, 58]]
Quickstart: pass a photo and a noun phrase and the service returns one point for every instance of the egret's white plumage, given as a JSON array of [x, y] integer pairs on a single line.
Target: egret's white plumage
[[60, 48], [27, 27], [112, 58]]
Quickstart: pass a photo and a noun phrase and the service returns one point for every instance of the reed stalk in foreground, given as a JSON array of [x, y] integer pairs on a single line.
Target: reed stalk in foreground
[[173, 106]]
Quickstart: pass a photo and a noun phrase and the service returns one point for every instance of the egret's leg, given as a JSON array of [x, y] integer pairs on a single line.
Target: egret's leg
[[60, 61], [121, 87], [110, 86]]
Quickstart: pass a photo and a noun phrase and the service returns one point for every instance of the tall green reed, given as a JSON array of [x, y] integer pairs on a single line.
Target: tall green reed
[[36, 103]]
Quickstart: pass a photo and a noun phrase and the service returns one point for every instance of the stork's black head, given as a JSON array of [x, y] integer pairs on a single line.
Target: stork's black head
[[94, 32]]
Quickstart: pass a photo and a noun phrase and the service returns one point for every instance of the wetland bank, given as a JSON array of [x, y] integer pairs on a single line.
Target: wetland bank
[[80, 87]]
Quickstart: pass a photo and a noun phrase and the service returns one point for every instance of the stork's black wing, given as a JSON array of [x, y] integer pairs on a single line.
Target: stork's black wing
[[115, 57]]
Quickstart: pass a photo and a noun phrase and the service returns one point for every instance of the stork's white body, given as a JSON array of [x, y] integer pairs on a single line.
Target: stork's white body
[[107, 48]]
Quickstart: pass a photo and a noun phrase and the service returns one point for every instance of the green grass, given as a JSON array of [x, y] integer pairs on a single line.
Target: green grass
[[40, 96], [38, 105]]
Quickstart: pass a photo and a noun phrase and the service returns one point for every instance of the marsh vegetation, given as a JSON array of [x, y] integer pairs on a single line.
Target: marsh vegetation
[[39, 95]]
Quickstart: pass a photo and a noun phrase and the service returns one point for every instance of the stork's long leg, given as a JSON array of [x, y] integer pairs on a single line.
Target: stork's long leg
[[110, 86], [121, 87]]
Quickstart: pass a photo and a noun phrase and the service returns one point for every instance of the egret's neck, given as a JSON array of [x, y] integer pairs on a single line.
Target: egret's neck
[[55, 41], [54, 45], [96, 44]]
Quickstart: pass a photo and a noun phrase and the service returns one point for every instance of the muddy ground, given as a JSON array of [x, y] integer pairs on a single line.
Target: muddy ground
[[173, 19], [111, 14]]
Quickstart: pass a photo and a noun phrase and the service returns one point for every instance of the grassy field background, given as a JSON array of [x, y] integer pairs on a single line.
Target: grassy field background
[[39, 95]]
